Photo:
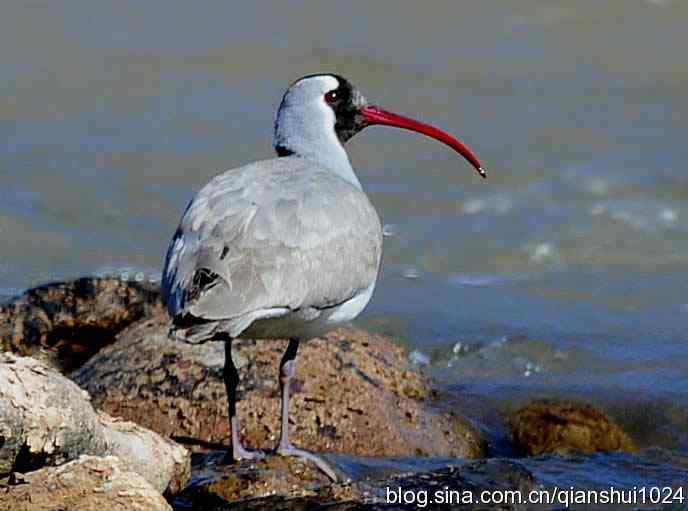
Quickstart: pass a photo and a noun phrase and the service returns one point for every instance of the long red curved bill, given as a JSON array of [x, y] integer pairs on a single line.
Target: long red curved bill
[[375, 115]]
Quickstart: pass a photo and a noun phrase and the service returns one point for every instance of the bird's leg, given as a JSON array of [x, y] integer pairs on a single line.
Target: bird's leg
[[231, 378], [287, 371], [285, 448]]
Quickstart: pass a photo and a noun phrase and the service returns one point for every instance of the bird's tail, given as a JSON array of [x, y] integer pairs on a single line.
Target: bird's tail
[[192, 331]]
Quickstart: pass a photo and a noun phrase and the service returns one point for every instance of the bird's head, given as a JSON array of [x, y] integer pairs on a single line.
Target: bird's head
[[326, 109]]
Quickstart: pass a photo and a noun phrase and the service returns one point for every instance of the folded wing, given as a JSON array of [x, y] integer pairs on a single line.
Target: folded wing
[[279, 233]]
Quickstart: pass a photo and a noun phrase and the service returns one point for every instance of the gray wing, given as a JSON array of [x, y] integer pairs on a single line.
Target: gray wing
[[278, 233]]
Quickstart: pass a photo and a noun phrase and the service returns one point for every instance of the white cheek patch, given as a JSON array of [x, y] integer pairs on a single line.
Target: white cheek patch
[[328, 83], [329, 120]]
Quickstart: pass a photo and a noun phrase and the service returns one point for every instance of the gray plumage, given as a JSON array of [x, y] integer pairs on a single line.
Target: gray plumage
[[285, 247], [273, 239]]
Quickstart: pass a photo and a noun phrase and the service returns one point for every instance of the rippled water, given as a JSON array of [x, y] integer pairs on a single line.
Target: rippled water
[[563, 273]]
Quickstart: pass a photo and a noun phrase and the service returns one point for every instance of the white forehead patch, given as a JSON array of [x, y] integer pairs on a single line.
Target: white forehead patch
[[326, 82], [310, 89]]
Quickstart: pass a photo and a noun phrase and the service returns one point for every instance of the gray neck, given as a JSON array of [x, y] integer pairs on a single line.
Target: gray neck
[[312, 140]]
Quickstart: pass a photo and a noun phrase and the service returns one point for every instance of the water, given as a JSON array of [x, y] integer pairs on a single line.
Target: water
[[562, 274]]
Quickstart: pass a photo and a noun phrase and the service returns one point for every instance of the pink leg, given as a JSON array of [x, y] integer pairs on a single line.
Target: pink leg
[[285, 448]]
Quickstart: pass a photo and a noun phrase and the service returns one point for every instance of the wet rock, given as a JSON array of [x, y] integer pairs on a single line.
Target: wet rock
[[46, 419], [546, 426], [464, 482], [66, 322], [229, 490], [88, 483], [286, 476], [354, 393]]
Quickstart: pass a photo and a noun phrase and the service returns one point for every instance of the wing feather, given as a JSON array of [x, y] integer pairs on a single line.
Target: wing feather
[[278, 233]]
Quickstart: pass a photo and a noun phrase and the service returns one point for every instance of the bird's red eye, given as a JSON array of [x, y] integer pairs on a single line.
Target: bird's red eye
[[331, 97]]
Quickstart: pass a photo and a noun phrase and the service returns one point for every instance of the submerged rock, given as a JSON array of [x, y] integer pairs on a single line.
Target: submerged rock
[[546, 426], [88, 483], [354, 392], [46, 419], [65, 323]]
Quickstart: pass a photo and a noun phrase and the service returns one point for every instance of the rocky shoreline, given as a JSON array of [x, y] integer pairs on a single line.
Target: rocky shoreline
[[96, 402]]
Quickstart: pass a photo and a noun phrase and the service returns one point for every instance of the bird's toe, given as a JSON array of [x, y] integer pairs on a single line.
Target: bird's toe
[[320, 462]]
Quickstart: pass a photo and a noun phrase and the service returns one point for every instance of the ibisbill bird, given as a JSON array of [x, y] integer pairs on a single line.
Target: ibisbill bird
[[284, 248]]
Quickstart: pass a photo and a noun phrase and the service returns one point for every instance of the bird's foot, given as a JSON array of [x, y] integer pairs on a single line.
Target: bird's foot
[[239, 453], [318, 461]]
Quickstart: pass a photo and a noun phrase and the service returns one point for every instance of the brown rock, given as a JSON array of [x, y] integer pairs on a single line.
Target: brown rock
[[354, 392], [66, 322], [88, 484], [274, 475], [46, 419], [562, 426]]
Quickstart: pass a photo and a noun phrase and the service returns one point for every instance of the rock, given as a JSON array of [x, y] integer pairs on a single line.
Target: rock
[[354, 393], [236, 490], [88, 483], [46, 419], [546, 426], [66, 322], [286, 476], [469, 480], [163, 463]]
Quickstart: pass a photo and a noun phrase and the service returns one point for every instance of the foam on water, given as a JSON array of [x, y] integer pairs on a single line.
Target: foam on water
[[465, 279], [499, 203], [544, 252], [643, 216], [130, 273]]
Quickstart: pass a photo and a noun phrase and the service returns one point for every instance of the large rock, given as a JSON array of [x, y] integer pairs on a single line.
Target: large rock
[[354, 393], [88, 483], [546, 426], [46, 419], [67, 322]]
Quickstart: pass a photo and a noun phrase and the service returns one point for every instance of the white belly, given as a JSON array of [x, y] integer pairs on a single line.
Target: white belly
[[305, 323]]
